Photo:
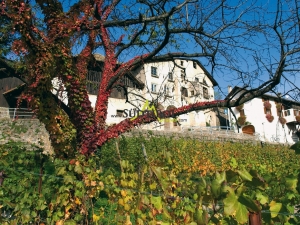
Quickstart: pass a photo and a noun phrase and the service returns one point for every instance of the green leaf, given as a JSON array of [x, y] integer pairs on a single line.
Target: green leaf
[[152, 186], [140, 221], [291, 182], [242, 214], [157, 171], [220, 177], [216, 184], [227, 221], [79, 193], [201, 187], [230, 202], [216, 188], [275, 208], [245, 175], [78, 169], [156, 201], [33, 214], [165, 214], [68, 179], [160, 176], [200, 217], [61, 171], [234, 208], [70, 222], [233, 163], [261, 198], [249, 203]]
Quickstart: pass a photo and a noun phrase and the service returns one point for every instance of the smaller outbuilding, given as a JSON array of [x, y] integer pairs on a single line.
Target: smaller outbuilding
[[274, 118]]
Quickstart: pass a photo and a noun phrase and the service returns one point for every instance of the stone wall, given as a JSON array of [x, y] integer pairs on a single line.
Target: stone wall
[[29, 131], [4, 112]]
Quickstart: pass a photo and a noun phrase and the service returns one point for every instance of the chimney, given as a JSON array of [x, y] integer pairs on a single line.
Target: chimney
[[229, 88]]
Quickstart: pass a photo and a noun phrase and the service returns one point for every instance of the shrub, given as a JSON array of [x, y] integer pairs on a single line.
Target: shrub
[[278, 106], [241, 120]]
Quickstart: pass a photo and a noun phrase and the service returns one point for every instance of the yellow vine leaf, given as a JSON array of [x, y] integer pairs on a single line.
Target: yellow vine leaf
[[96, 218]]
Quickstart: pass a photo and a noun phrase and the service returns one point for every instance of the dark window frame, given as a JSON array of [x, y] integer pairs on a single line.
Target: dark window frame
[[182, 74], [184, 92], [153, 85], [195, 65], [154, 71], [170, 76], [205, 93]]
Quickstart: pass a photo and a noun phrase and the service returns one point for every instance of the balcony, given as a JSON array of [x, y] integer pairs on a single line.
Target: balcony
[[290, 115]]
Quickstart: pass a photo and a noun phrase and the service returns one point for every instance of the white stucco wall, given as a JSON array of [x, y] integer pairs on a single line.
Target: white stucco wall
[[163, 69], [174, 99], [269, 131]]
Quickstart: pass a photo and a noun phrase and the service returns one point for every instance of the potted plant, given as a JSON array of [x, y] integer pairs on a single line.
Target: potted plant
[[298, 118], [269, 117], [239, 107], [278, 107], [241, 120], [267, 105], [282, 120]]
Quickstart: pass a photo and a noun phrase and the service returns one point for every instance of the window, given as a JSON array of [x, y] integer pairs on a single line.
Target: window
[[192, 93], [153, 88], [166, 90], [195, 65], [184, 92], [181, 63], [287, 113], [170, 76], [205, 93], [182, 75], [93, 81], [196, 79], [154, 71], [120, 113]]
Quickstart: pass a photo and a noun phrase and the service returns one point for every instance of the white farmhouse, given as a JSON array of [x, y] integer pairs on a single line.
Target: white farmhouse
[[167, 84], [273, 117]]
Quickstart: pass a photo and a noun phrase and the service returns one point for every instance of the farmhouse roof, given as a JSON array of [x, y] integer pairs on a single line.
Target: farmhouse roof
[[282, 99]]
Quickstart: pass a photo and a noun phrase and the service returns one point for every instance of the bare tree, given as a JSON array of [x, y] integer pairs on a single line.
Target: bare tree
[[253, 43]]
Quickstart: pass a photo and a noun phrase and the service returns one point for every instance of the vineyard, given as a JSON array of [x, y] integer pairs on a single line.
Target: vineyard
[[152, 180]]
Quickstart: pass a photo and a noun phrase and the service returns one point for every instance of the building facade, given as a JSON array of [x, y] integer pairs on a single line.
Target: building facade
[[166, 85], [160, 84], [274, 118]]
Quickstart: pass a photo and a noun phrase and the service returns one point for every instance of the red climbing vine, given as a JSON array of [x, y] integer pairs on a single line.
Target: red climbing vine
[[46, 35]]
